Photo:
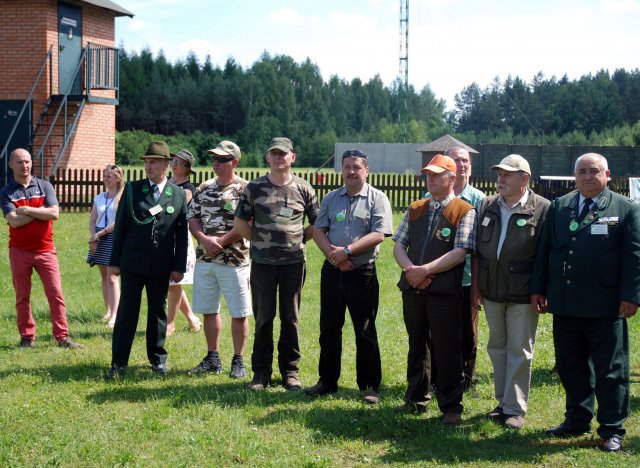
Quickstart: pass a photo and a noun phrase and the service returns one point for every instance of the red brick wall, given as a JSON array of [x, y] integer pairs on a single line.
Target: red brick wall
[[27, 30]]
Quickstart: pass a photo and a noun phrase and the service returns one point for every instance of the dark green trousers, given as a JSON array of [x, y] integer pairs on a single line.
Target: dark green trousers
[[129, 311], [592, 355]]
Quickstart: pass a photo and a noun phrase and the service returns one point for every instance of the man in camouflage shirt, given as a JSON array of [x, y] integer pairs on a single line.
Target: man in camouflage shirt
[[271, 213], [222, 265]]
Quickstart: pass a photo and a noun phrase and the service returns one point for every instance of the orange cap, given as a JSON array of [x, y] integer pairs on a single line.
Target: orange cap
[[439, 164]]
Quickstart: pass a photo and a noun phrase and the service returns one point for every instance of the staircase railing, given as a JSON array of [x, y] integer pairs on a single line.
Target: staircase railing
[[68, 129], [5, 149], [99, 66], [103, 70]]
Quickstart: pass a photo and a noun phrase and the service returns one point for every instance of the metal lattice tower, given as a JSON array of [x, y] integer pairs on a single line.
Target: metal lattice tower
[[404, 62]]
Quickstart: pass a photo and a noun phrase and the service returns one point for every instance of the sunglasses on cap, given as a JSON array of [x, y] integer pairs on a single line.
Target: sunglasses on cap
[[354, 153], [222, 160]]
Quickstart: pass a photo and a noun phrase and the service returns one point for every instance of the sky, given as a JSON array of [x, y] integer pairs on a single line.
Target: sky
[[452, 43]]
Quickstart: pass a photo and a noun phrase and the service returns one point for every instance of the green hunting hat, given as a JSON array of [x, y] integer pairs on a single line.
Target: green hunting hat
[[157, 150], [281, 143]]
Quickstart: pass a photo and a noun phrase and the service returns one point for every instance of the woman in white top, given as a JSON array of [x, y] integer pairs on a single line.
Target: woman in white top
[[101, 224], [177, 299]]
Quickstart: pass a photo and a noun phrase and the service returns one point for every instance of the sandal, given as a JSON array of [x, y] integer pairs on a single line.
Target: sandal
[[195, 325], [171, 329]]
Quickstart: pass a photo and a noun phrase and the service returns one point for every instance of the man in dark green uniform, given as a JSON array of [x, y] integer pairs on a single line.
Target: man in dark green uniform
[[149, 249], [587, 269]]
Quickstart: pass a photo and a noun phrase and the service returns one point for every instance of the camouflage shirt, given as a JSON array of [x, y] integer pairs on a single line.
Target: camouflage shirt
[[278, 213], [214, 206]]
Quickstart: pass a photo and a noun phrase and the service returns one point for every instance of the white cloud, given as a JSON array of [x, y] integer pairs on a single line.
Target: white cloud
[[620, 6], [136, 25]]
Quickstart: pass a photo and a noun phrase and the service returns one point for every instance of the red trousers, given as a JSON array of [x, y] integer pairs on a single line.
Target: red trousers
[[46, 265]]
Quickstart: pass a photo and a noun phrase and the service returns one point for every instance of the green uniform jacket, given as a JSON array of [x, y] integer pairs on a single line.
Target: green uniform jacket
[[157, 247], [587, 271]]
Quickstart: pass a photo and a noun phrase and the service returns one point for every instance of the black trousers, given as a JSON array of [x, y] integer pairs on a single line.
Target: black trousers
[[271, 284], [356, 290], [129, 311], [469, 337], [434, 325], [592, 355]]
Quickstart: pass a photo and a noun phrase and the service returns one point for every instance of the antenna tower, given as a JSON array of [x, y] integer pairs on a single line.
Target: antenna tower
[[404, 63]]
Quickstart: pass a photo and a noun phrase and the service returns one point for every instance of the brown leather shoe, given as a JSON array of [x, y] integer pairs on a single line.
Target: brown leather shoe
[[292, 382], [371, 396], [68, 343], [451, 419], [258, 383], [513, 421]]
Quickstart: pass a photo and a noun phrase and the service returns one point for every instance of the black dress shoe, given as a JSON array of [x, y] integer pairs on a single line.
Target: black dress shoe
[[320, 389], [567, 430], [115, 372], [612, 444], [159, 368]]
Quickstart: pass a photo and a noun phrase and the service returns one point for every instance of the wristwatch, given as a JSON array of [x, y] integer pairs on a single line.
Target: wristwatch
[[347, 251]]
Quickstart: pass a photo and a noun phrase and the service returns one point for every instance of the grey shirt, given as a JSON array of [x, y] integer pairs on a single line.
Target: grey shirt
[[350, 218]]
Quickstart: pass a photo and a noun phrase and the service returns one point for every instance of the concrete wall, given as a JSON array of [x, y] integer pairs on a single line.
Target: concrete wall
[[558, 160], [401, 158]]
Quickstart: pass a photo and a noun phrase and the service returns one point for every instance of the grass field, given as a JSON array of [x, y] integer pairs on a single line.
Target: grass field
[[56, 409]]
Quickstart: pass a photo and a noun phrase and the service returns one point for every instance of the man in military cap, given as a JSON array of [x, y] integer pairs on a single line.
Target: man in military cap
[[271, 213], [149, 249], [587, 268], [222, 265]]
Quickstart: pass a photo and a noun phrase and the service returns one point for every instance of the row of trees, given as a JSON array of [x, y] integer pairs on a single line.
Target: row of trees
[[197, 104], [548, 107], [275, 96]]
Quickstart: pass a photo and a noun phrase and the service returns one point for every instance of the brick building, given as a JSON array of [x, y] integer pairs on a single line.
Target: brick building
[[58, 58]]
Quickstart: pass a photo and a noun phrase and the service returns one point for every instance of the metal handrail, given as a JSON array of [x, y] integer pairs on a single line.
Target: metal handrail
[[63, 104], [102, 70], [5, 148]]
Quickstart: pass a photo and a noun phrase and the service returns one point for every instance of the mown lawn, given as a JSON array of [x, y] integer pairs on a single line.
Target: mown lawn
[[56, 409]]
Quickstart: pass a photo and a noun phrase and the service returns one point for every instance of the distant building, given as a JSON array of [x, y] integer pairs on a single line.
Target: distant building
[[401, 158], [58, 58]]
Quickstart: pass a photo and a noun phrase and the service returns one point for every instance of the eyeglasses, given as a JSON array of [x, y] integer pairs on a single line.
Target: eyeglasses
[[222, 160], [178, 162], [354, 153]]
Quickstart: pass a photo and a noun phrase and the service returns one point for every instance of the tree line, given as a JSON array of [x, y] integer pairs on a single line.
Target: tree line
[[195, 104]]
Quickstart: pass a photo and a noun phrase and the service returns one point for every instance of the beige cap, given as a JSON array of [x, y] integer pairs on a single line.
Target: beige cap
[[513, 163], [226, 148]]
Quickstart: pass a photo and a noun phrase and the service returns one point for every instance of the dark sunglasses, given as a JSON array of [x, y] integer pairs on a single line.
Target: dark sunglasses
[[353, 153], [222, 160]]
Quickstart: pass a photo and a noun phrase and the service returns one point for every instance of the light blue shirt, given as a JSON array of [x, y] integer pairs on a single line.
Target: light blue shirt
[[350, 218]]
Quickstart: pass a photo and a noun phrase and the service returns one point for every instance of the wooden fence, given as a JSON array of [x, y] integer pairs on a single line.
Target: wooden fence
[[76, 188]]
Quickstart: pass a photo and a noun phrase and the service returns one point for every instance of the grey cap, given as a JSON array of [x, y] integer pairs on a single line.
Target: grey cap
[[226, 148], [186, 156], [513, 163], [281, 143]]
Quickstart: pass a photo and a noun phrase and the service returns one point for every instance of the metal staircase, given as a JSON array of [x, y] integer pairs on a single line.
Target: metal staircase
[[97, 69]]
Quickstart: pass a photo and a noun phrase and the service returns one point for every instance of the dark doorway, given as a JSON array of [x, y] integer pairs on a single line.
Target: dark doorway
[[69, 48], [9, 111]]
